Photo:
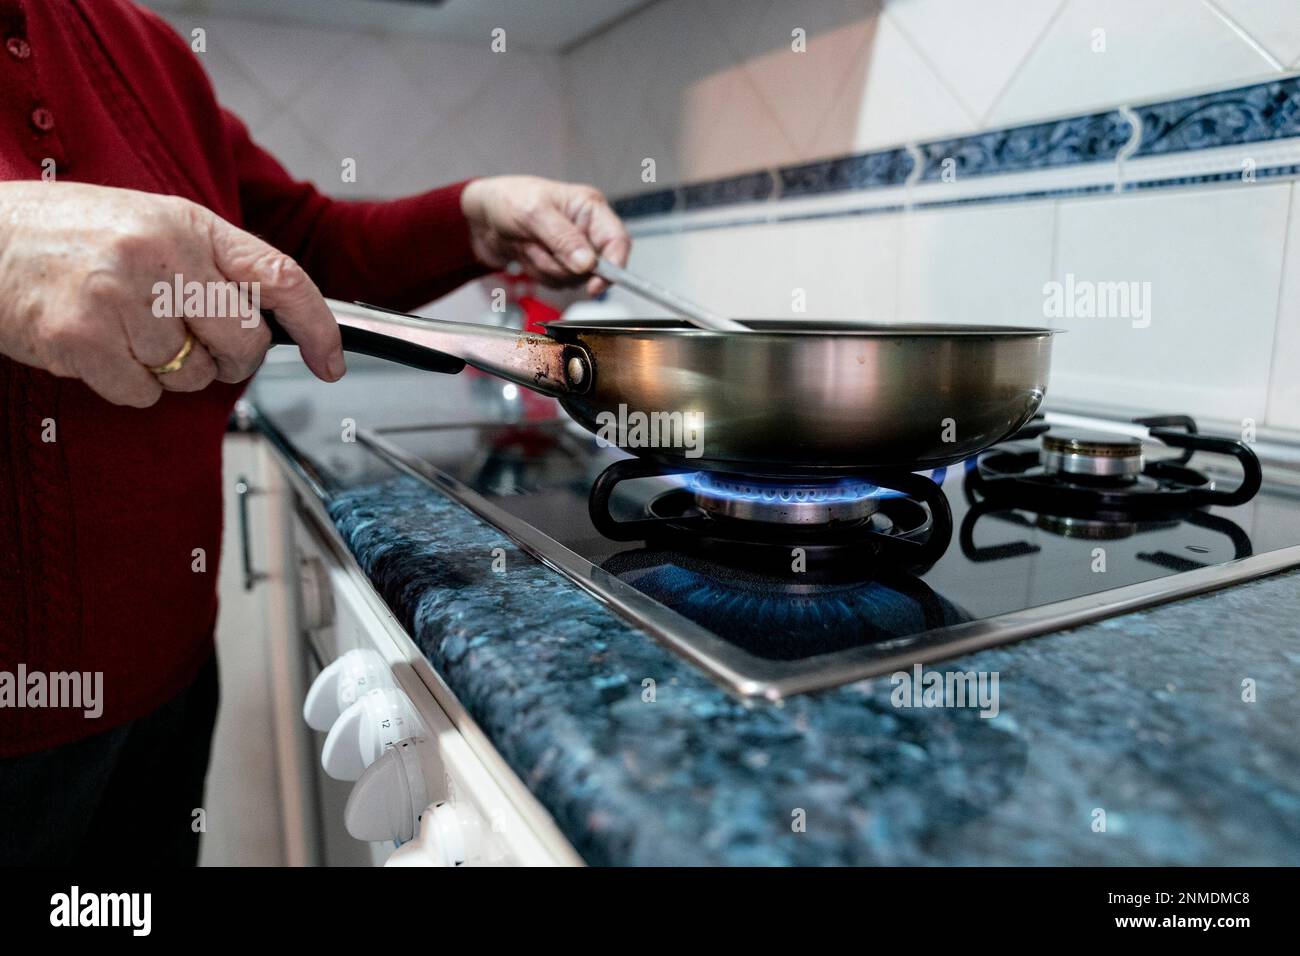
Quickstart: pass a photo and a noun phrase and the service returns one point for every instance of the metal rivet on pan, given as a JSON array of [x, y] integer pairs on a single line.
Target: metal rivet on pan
[[577, 370]]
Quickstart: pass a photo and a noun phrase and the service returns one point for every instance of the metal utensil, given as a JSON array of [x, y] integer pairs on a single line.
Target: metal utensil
[[697, 315], [785, 397]]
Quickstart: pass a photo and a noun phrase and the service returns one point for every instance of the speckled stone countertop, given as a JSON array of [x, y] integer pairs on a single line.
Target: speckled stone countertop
[[1137, 721]]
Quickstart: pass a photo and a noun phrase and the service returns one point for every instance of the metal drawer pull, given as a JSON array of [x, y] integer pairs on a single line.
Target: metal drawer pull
[[243, 490]]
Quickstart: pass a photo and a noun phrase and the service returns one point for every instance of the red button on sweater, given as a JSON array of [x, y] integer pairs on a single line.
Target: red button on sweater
[[98, 527]]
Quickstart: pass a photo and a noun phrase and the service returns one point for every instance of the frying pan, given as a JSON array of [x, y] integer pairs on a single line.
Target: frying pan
[[787, 398]]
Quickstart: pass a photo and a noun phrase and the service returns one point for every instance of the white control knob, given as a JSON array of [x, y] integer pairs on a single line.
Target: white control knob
[[362, 732], [443, 840], [339, 685], [387, 801]]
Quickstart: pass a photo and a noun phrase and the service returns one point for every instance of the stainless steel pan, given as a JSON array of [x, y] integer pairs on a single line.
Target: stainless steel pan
[[786, 398]]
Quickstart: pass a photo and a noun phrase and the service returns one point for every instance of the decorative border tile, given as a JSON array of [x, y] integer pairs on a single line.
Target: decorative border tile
[[1259, 113], [1080, 139], [646, 204], [749, 187], [1271, 172], [1249, 115], [890, 167]]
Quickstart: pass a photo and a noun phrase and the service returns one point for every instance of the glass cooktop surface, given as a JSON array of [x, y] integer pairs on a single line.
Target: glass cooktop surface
[[805, 619]]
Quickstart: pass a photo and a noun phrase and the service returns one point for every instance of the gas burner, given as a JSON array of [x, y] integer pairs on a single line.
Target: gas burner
[[801, 502], [1092, 455], [1105, 476], [759, 521]]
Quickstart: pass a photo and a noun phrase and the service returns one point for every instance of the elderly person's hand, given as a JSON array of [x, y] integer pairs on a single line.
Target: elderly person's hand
[[78, 269], [553, 230]]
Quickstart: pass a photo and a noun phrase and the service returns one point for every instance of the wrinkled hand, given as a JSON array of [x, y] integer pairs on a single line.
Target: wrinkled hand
[[554, 230], [78, 269]]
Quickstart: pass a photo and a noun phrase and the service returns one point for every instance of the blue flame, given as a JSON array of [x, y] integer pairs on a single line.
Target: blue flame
[[833, 491]]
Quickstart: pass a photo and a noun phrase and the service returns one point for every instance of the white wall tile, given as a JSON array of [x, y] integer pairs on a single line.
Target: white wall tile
[[515, 123], [1214, 260], [1273, 24], [608, 84], [414, 112], [846, 268], [280, 134], [442, 156], [366, 107], [707, 90], [451, 74], [902, 99], [975, 47], [284, 59], [1284, 383], [236, 90], [700, 95], [799, 87], [1153, 49], [976, 265]]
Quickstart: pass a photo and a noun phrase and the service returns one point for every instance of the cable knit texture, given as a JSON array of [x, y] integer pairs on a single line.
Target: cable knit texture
[[99, 526]]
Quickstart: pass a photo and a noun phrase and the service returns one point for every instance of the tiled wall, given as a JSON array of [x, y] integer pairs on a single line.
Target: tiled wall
[[708, 92], [711, 87], [413, 111]]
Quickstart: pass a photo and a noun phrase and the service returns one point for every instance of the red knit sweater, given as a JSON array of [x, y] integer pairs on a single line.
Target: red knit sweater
[[98, 528]]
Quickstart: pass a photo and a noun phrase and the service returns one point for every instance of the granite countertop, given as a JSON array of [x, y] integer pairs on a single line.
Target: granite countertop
[[1139, 721]]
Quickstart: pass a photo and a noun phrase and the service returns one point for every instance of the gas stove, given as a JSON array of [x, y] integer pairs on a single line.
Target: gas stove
[[776, 586]]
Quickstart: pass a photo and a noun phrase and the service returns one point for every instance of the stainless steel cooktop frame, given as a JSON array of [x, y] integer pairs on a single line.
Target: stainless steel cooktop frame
[[749, 676]]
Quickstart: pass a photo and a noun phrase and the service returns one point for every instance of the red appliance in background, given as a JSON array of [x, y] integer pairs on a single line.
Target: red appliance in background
[[521, 292]]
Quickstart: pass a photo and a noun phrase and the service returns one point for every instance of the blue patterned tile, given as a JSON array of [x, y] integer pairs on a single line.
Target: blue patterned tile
[[1260, 113], [1251, 114], [1067, 142], [646, 204], [860, 171], [749, 187]]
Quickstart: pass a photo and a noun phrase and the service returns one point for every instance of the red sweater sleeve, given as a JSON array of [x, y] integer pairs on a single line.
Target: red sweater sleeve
[[398, 254]]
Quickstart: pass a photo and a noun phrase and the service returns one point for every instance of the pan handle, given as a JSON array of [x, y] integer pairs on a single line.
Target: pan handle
[[534, 361], [365, 342]]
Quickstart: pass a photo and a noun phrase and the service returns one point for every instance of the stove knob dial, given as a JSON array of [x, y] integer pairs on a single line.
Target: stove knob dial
[[362, 732], [443, 840], [339, 685], [388, 800]]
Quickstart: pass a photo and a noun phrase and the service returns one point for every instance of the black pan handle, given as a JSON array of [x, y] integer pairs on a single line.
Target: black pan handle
[[390, 348]]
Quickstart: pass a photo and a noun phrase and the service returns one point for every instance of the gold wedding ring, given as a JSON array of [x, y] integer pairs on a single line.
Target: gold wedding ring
[[175, 364]]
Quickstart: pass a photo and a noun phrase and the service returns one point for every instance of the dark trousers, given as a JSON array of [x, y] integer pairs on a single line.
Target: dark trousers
[[126, 796]]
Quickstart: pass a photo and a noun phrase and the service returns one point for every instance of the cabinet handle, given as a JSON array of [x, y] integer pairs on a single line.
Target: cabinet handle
[[243, 490]]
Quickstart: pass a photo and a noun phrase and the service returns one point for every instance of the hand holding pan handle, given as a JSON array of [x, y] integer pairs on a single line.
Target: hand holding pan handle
[[366, 342], [534, 361]]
